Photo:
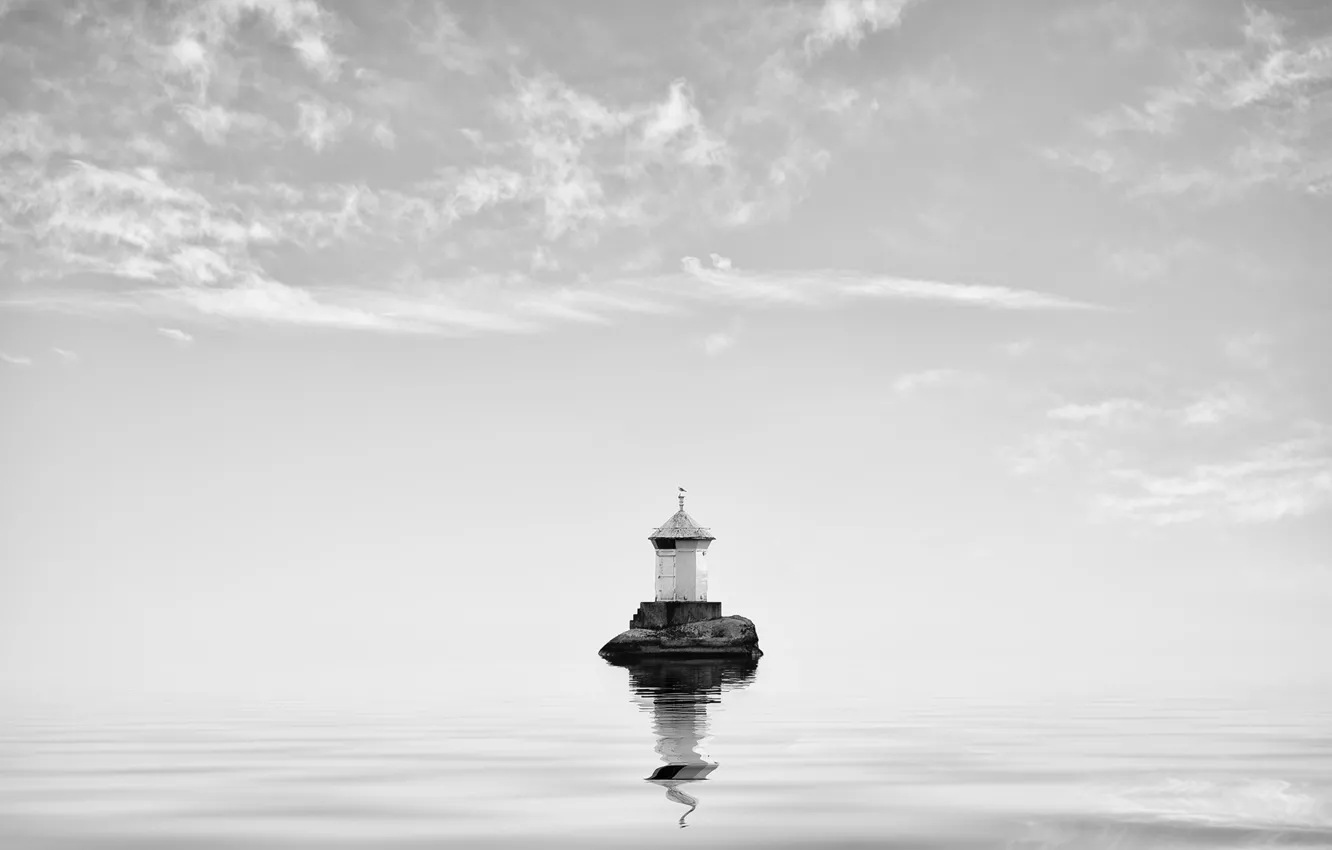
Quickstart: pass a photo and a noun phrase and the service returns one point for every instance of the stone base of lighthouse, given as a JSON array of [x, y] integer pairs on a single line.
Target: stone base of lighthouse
[[660, 615], [717, 637]]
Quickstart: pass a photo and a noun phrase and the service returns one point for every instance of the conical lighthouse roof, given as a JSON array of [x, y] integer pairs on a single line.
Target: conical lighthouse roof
[[682, 527]]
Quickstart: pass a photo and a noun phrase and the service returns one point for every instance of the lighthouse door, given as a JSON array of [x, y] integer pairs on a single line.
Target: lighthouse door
[[665, 584]]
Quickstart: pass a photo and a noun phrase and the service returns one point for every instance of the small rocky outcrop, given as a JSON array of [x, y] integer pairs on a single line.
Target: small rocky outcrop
[[716, 638]]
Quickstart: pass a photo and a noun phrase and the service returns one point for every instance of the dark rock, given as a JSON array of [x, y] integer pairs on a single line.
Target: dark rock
[[720, 637]]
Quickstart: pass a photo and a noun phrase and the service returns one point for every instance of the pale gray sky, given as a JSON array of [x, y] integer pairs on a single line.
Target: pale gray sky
[[333, 335]]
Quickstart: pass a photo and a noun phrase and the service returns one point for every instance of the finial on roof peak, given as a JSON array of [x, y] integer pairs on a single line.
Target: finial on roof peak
[[682, 495]]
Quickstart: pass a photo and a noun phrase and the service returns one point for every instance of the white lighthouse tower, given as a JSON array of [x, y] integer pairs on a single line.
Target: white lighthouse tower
[[682, 546]]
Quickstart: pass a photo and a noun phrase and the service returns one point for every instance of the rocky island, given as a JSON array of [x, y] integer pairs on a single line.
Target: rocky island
[[720, 637], [681, 622]]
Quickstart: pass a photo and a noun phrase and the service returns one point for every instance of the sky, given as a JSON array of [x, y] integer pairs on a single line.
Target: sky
[[342, 342]]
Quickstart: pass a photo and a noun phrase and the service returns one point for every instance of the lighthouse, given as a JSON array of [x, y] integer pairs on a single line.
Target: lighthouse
[[681, 547], [680, 621]]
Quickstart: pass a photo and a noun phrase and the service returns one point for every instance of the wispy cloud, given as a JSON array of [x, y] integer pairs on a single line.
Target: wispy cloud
[[1252, 349], [176, 335], [1278, 481], [1216, 408], [203, 37], [441, 37], [66, 355], [1129, 29], [203, 283], [1220, 455], [321, 124], [1266, 69], [814, 287], [1248, 115], [1103, 412], [1043, 451], [1018, 347], [915, 381], [717, 342], [1222, 404], [15, 359]]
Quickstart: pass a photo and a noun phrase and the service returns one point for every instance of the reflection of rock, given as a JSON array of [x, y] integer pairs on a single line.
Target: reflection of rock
[[687, 680], [677, 691], [721, 637]]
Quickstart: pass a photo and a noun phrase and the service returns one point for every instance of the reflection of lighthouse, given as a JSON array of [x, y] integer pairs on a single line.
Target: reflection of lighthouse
[[678, 692]]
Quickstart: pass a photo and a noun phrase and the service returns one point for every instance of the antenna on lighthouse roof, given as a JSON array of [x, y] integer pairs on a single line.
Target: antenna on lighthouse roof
[[682, 495]]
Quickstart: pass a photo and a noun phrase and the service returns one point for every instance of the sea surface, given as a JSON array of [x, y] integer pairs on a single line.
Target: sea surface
[[702, 754]]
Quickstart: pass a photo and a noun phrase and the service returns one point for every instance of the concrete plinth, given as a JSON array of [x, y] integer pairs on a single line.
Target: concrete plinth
[[661, 615]]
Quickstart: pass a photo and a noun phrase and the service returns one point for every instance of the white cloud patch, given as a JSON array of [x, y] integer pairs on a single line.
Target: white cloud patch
[[204, 34], [1214, 408], [1217, 408], [849, 21], [321, 124], [543, 260], [1266, 69], [677, 124], [137, 224], [383, 135], [717, 342], [484, 187], [1252, 349], [1136, 264], [261, 299], [1110, 411], [592, 165], [66, 355], [176, 335], [443, 39], [32, 135], [15, 359], [916, 381], [1042, 452], [215, 123]]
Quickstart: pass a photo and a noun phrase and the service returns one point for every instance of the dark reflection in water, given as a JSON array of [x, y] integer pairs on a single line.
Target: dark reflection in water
[[678, 692]]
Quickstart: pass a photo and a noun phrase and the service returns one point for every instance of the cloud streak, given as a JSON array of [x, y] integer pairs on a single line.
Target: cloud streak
[[827, 286], [176, 335]]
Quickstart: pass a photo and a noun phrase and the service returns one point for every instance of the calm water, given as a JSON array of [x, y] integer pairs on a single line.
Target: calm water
[[672, 755]]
